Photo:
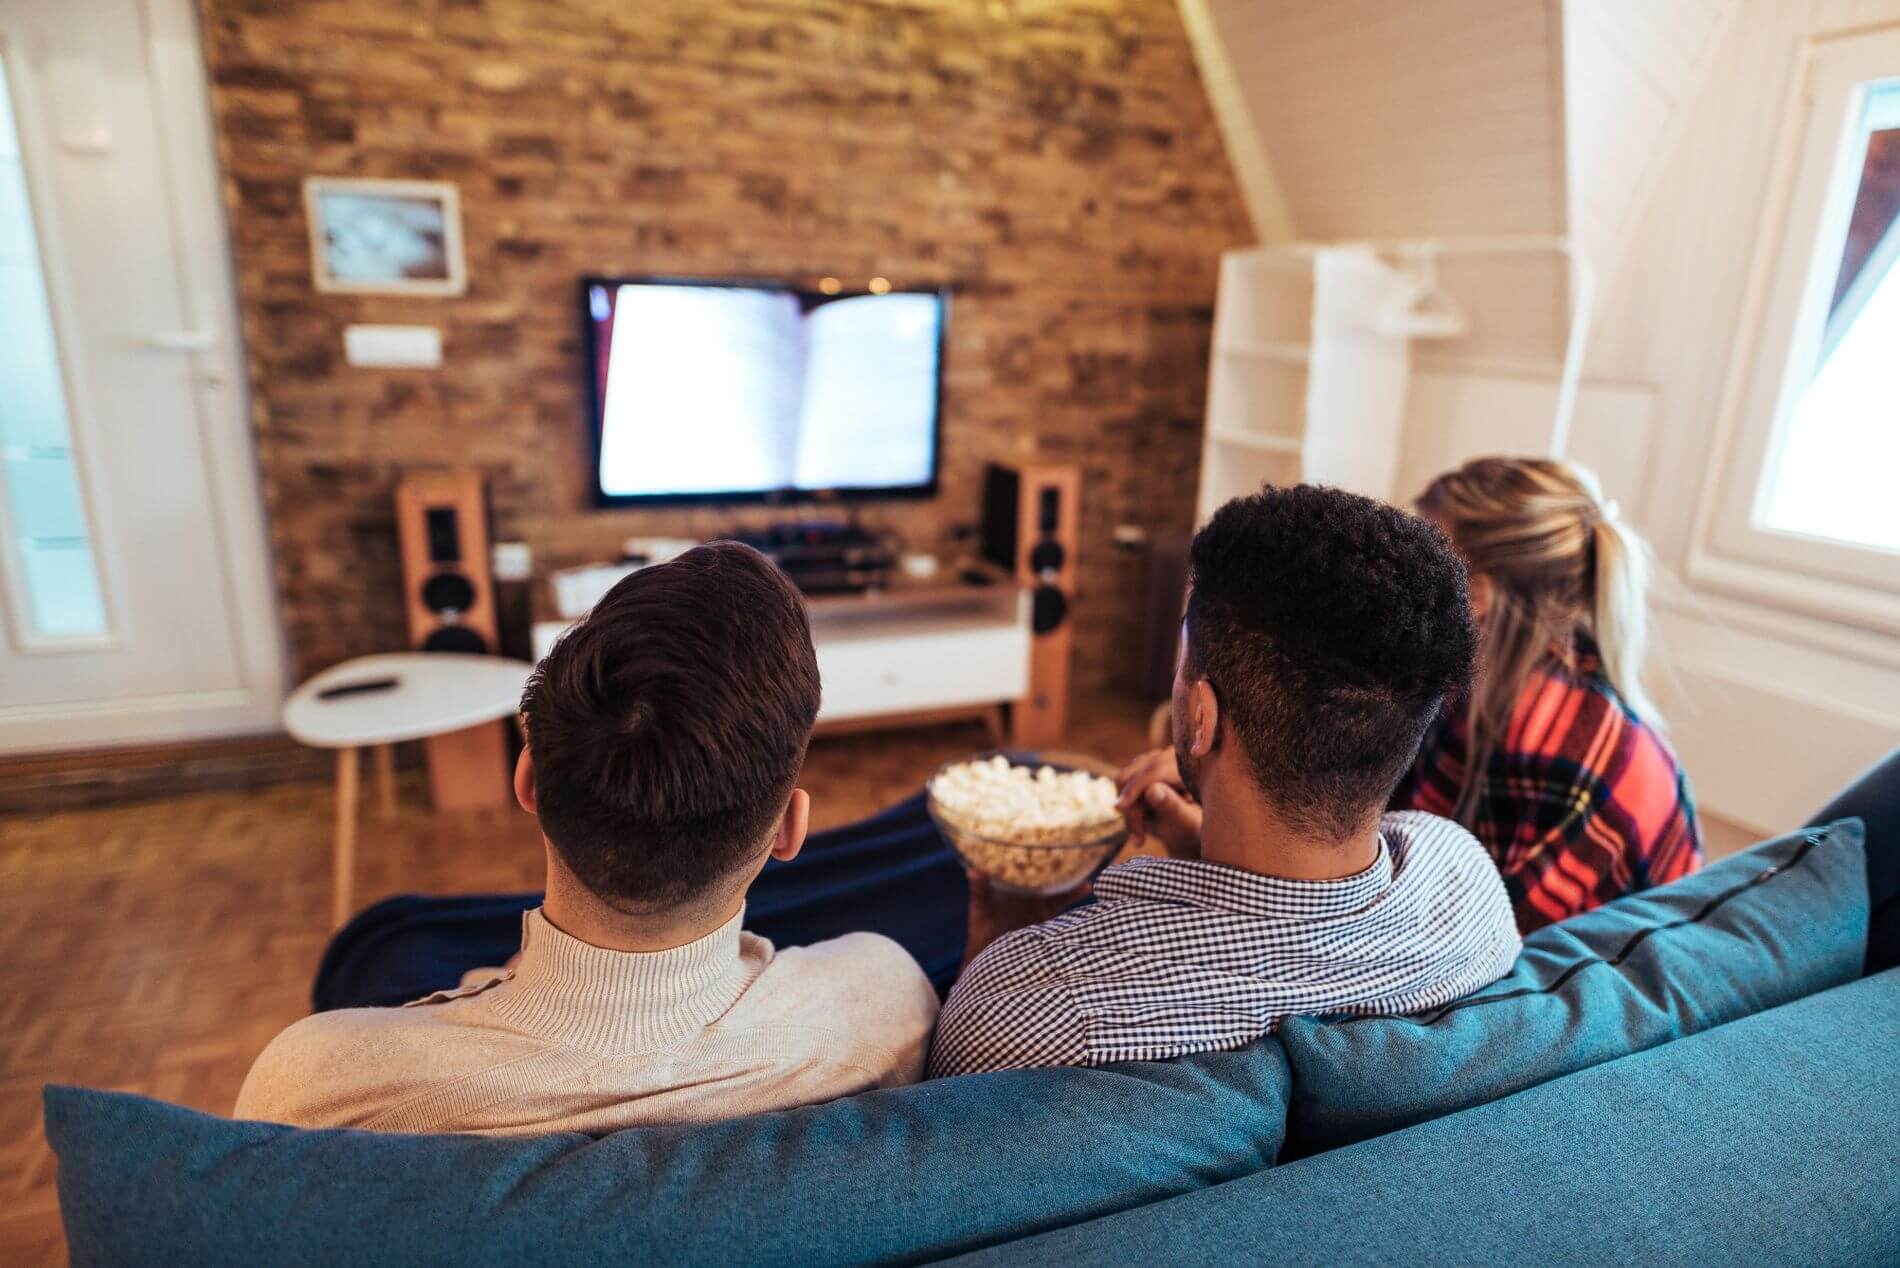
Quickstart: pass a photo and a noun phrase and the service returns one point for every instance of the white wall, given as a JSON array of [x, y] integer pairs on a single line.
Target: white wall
[[1632, 69], [1454, 414], [1772, 711]]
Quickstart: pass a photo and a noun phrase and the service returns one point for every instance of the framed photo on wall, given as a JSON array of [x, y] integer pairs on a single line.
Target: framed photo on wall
[[385, 237]]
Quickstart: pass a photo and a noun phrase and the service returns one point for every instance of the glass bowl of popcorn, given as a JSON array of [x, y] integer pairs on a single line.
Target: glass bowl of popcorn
[[1031, 825]]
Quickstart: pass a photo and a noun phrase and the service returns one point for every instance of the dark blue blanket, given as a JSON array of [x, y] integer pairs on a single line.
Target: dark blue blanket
[[891, 874]]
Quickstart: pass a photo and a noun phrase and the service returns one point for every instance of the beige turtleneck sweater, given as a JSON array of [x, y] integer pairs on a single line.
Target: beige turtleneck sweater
[[577, 1038]]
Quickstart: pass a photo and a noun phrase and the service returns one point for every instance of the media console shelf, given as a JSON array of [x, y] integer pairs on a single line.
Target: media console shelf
[[915, 652]]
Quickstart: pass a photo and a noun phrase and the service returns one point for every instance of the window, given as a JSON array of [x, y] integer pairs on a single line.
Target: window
[[1832, 474], [45, 522], [1804, 507]]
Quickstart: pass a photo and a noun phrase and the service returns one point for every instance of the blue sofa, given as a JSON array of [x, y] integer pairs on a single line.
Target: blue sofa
[[1699, 1073]]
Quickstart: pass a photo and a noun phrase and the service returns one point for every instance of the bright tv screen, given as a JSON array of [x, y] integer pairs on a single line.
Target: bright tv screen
[[706, 391]]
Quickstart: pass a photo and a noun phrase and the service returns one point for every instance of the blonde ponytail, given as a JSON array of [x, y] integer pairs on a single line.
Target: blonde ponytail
[[1561, 564], [1620, 619]]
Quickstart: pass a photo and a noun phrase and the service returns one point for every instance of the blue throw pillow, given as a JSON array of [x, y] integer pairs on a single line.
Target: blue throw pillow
[[902, 1175], [1754, 931]]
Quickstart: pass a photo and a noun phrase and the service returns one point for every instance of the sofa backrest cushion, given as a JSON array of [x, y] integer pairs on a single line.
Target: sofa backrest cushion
[[1770, 1141], [1756, 930], [894, 1176]]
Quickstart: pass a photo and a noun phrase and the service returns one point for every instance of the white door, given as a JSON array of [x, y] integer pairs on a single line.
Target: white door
[[134, 594]]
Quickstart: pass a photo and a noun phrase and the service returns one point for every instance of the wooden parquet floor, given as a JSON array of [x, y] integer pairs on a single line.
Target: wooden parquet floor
[[157, 948]]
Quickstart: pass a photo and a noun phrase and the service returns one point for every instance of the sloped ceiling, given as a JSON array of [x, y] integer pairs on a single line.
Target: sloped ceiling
[[1459, 118], [1632, 68], [1399, 119]]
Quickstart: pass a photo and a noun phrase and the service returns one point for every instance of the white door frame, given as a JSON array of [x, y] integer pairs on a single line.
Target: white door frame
[[181, 94]]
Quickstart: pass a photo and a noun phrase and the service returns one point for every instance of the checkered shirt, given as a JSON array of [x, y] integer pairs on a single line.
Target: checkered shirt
[[1177, 956]]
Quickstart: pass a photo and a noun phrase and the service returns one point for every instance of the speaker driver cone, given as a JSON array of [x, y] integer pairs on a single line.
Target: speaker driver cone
[[1048, 608], [455, 638], [446, 591]]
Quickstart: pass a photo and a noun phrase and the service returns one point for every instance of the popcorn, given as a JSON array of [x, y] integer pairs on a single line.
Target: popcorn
[[1038, 829], [998, 798]]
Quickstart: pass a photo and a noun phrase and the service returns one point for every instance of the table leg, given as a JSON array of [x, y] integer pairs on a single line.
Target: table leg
[[386, 780], [345, 878]]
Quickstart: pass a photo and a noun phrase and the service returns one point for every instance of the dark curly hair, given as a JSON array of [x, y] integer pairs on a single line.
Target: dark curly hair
[[1331, 628], [668, 728]]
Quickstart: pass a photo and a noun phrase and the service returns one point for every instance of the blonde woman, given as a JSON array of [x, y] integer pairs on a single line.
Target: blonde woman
[[1555, 759]]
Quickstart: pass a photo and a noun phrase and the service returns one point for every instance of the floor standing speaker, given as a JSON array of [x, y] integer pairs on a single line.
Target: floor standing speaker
[[1031, 520], [449, 596]]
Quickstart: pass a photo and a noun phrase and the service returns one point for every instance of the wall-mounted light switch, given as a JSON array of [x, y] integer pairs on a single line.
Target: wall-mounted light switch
[[393, 347]]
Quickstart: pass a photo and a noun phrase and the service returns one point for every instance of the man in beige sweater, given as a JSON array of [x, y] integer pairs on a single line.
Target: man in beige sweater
[[665, 737]]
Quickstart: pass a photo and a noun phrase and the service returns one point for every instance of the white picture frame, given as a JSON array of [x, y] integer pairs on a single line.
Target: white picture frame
[[385, 237]]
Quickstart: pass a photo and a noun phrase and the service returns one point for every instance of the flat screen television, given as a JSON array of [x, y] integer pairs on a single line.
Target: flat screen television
[[708, 391]]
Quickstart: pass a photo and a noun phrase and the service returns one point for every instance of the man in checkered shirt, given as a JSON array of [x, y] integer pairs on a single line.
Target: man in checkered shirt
[[1323, 632]]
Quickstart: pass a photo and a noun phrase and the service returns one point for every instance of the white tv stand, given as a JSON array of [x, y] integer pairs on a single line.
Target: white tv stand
[[917, 651]]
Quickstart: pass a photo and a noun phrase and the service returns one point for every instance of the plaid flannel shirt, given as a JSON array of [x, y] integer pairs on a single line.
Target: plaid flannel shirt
[[1580, 803]]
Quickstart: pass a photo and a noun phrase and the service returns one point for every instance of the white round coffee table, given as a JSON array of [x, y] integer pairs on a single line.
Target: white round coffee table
[[432, 693]]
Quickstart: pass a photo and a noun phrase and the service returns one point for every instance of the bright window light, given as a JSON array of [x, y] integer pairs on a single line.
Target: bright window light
[[52, 541], [1838, 460], [1832, 474]]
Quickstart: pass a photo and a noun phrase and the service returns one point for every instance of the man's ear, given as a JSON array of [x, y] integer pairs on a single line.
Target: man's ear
[[790, 837], [1203, 717], [1483, 591], [524, 782]]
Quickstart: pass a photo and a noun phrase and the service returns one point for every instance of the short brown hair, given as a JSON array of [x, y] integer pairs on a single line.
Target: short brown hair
[[669, 727]]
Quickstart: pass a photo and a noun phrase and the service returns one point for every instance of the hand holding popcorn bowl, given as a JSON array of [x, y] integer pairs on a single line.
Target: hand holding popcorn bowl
[[1029, 827]]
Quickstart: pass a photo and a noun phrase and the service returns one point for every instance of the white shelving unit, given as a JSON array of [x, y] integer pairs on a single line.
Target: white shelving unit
[[1256, 384], [1260, 390]]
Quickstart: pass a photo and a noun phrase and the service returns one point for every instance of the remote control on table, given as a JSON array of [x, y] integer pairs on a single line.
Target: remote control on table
[[361, 687]]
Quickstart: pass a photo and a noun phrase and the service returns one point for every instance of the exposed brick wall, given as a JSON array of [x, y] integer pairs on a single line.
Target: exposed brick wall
[[1053, 162]]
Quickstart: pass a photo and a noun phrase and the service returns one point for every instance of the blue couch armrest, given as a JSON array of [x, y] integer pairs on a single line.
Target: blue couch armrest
[[1874, 799]]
